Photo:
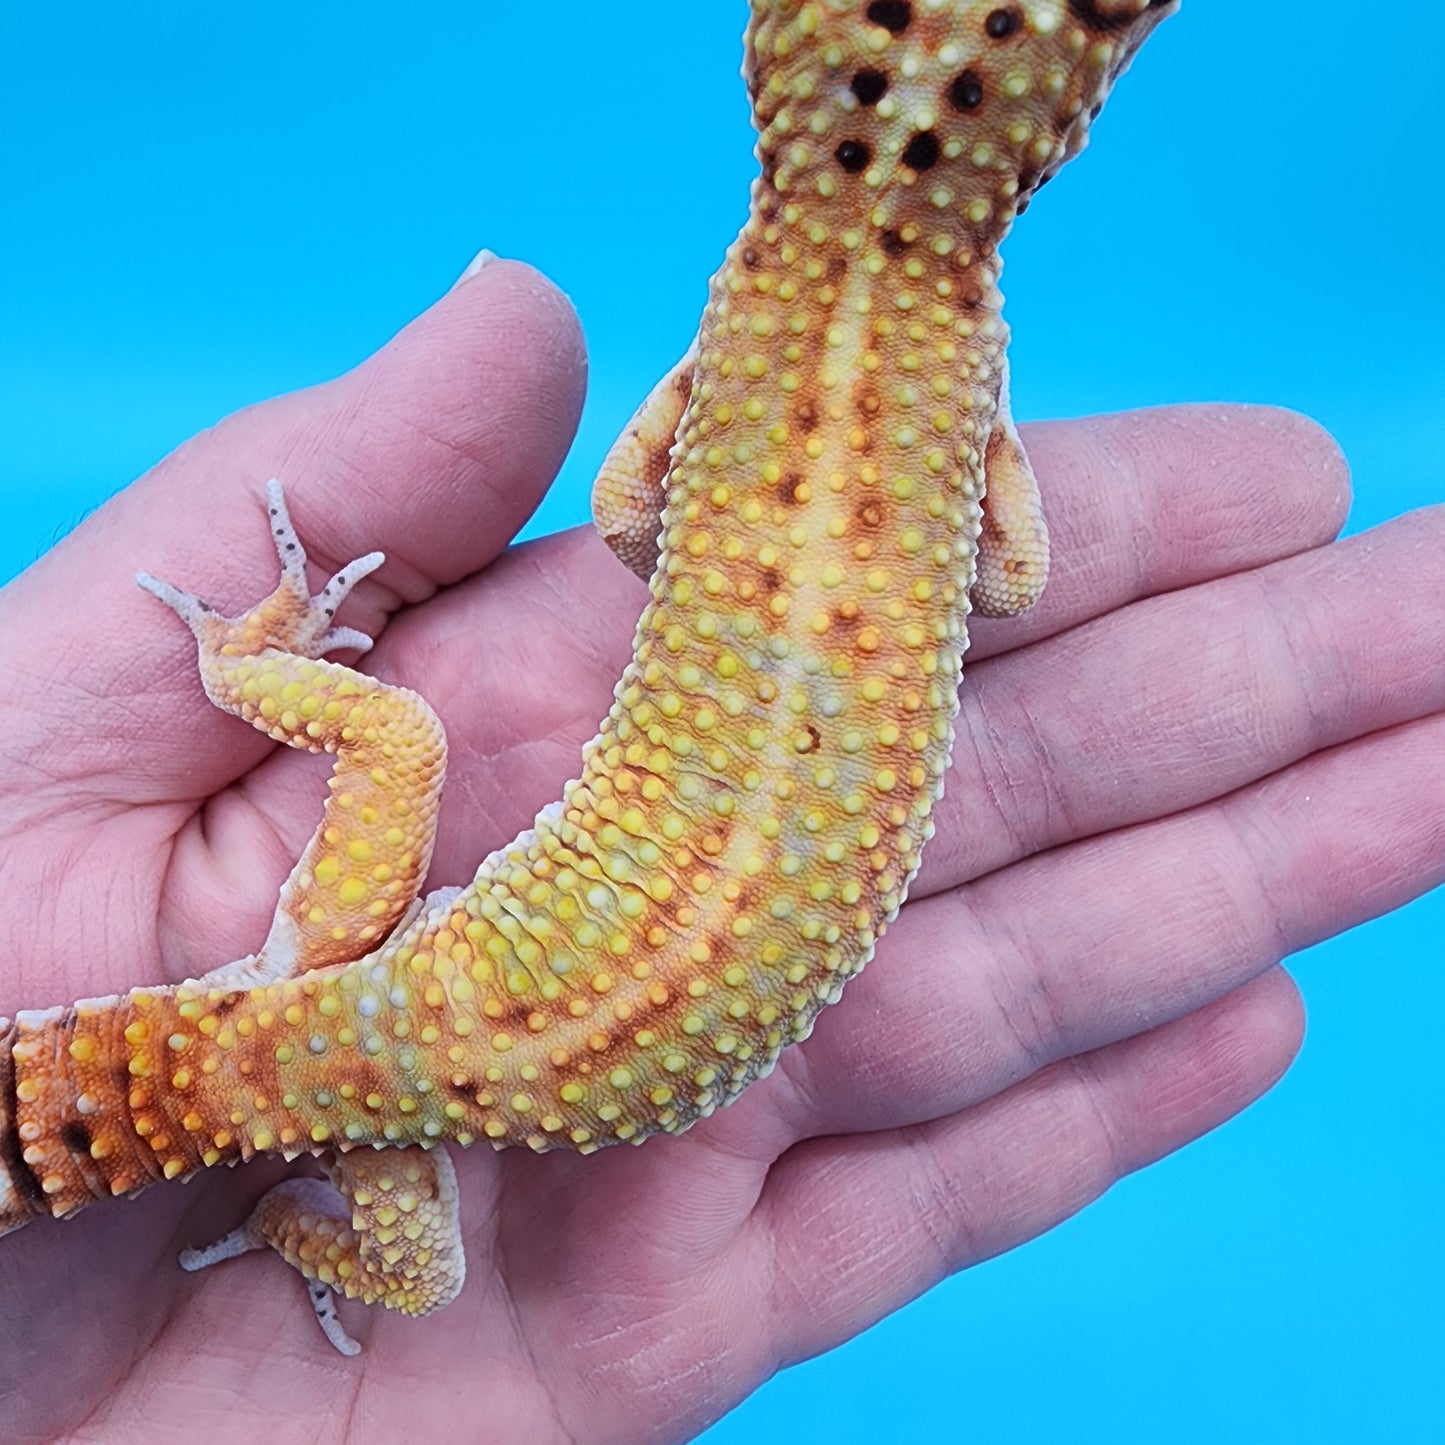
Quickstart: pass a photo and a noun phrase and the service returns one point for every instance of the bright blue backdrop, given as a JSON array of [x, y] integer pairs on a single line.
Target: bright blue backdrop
[[203, 207]]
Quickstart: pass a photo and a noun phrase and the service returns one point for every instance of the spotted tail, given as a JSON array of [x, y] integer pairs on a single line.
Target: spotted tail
[[20, 1196], [73, 1127]]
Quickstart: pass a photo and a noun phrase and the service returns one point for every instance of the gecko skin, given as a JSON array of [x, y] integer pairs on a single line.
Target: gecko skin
[[836, 473]]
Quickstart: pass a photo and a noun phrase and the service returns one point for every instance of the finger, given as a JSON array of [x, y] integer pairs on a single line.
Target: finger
[[904, 1209], [1172, 701], [1092, 943], [435, 449]]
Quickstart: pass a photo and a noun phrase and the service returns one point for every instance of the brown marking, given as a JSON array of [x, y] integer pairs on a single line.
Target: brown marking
[[75, 1136], [893, 15], [1000, 24], [966, 91], [869, 513], [12, 1152], [227, 1003], [790, 487]]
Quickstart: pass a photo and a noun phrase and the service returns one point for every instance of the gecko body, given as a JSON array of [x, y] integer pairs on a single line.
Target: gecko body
[[834, 473]]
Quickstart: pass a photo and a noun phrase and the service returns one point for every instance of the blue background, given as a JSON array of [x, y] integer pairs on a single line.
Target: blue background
[[203, 208]]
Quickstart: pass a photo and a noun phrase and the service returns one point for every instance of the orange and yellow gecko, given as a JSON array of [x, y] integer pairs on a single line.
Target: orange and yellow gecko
[[835, 476]]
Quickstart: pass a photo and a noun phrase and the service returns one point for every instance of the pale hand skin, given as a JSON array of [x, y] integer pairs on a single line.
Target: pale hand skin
[[1218, 740]]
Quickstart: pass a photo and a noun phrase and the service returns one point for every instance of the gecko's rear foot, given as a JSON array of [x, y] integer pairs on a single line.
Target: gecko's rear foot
[[290, 619], [360, 872], [384, 1230]]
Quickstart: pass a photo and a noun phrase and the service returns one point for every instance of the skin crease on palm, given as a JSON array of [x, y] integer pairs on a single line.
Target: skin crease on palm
[[1217, 740]]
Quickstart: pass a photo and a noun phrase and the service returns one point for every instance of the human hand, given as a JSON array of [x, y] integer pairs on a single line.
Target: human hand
[[1205, 750]]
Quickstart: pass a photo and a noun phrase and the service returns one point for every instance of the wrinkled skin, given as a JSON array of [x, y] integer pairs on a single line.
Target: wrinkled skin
[[1216, 741]]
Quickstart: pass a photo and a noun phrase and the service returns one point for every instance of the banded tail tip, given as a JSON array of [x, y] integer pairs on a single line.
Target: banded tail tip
[[17, 1202]]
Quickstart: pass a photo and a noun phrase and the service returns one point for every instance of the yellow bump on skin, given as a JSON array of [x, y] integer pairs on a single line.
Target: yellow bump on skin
[[353, 891]]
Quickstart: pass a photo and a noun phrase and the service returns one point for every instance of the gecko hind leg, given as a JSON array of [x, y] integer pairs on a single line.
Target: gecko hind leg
[[290, 619], [360, 873], [1013, 547], [385, 1230]]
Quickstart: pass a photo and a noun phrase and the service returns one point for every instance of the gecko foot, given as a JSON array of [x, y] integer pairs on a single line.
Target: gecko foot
[[384, 1230], [312, 1201], [290, 619]]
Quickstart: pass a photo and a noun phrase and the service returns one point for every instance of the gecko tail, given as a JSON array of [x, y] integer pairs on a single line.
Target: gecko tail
[[20, 1197], [67, 1137]]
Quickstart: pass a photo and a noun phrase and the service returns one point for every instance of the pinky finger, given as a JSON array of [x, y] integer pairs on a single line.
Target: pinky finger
[[902, 1209]]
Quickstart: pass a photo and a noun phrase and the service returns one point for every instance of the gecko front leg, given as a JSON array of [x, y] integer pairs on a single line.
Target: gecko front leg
[[1013, 547], [631, 487]]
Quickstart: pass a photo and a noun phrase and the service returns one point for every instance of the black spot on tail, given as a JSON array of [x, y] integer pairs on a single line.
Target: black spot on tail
[[75, 1136]]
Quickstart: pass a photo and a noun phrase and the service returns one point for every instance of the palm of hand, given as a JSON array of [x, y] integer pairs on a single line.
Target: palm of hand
[[1202, 753]]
